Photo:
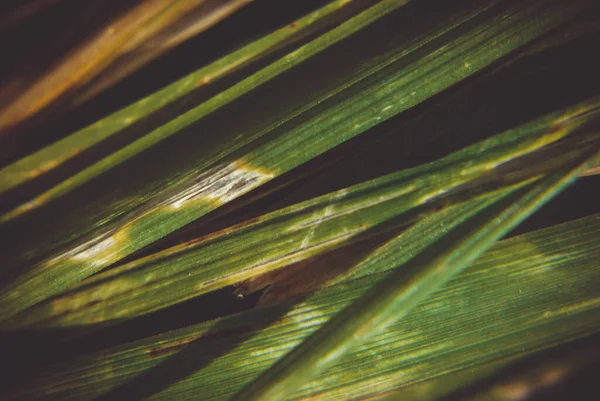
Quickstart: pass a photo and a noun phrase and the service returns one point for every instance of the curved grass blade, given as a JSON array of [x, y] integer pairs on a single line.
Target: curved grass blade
[[288, 235], [540, 283], [55, 155], [394, 297]]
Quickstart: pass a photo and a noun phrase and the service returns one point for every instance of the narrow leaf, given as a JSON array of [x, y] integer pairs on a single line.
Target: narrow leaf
[[525, 294], [282, 237], [398, 294], [56, 154]]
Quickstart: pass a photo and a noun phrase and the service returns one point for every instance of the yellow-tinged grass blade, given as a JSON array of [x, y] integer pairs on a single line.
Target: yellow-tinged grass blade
[[186, 19], [148, 21], [591, 171], [524, 294], [297, 232]]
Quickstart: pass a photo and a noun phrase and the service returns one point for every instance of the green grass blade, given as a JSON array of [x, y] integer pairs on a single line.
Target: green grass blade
[[106, 244], [287, 62], [53, 156], [105, 228], [369, 266], [343, 112], [283, 237], [524, 294], [400, 293]]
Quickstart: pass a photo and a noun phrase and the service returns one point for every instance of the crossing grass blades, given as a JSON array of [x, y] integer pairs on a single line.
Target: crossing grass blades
[[331, 200]]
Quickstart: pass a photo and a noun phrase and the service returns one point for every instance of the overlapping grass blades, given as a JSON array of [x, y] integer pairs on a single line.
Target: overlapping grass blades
[[525, 294], [54, 155], [393, 287], [300, 231], [395, 296], [69, 245]]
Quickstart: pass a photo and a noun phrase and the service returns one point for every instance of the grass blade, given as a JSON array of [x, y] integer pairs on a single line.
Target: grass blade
[[116, 228], [301, 230], [143, 22], [292, 59], [394, 297], [540, 283], [58, 153]]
